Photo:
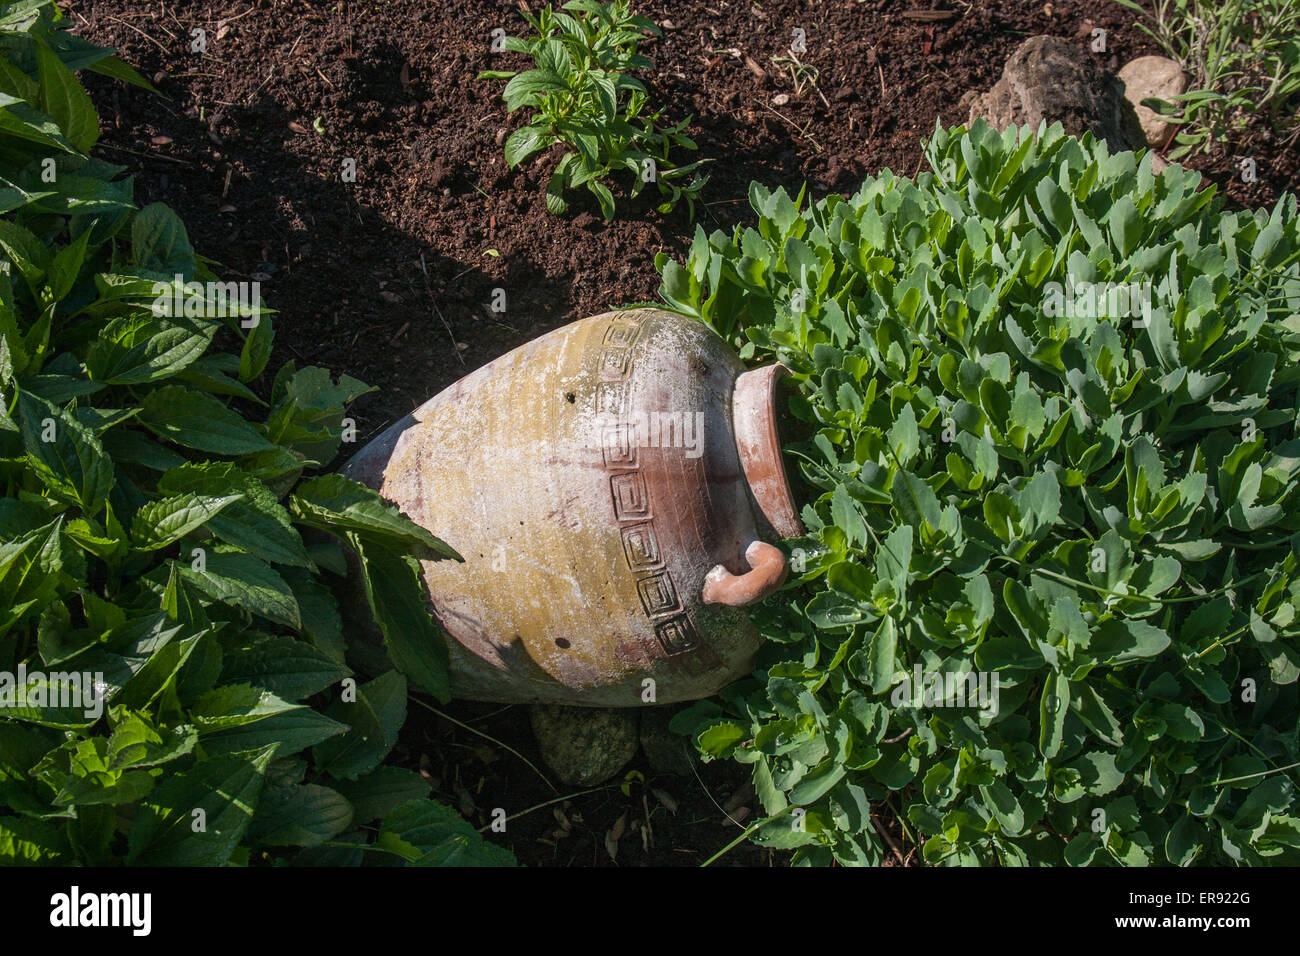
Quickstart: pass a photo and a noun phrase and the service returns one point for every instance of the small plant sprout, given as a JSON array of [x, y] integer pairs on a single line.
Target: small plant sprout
[[584, 99]]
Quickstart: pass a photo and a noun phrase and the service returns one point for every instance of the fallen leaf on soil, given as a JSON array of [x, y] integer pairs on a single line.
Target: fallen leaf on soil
[[754, 68], [614, 834], [666, 798], [298, 128]]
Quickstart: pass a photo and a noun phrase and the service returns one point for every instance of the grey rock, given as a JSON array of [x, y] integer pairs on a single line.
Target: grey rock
[[1046, 78], [665, 751], [585, 746], [1156, 77]]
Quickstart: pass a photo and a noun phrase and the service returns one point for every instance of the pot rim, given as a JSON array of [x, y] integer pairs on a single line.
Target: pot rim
[[753, 414]]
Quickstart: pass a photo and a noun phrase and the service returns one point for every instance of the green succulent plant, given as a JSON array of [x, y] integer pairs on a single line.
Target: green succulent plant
[[1016, 477]]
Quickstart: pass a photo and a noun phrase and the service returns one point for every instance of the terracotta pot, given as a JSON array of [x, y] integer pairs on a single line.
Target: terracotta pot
[[613, 486]]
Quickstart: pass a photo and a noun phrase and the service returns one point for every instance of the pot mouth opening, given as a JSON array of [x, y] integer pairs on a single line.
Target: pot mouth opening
[[755, 417]]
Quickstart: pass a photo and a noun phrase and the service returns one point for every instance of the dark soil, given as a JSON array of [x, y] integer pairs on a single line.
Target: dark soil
[[666, 819], [390, 278]]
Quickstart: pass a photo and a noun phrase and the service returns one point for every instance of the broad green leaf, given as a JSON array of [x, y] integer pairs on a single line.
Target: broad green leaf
[[374, 715], [1002, 804], [398, 600], [426, 833], [28, 842], [1117, 641], [305, 815], [289, 668], [291, 731], [845, 514], [65, 454], [336, 503], [197, 818], [137, 742], [523, 142], [159, 242], [233, 705], [256, 349], [64, 100], [136, 349], [914, 500], [382, 790], [199, 421], [163, 522], [243, 581], [256, 523]]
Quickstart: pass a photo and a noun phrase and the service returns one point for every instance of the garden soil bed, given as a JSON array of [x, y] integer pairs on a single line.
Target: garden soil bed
[[390, 278]]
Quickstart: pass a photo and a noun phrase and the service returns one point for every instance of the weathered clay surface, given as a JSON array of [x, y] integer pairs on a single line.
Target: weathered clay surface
[[584, 746], [591, 479], [1047, 78], [1155, 77]]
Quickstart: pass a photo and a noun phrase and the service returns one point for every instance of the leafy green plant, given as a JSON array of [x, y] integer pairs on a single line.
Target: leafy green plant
[[175, 686], [1243, 58], [584, 99], [1097, 506]]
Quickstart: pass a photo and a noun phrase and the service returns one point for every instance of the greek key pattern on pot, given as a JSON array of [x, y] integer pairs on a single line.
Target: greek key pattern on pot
[[630, 497]]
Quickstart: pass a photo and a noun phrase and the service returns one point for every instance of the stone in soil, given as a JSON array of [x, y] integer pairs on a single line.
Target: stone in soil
[[585, 746], [1047, 78], [1155, 77]]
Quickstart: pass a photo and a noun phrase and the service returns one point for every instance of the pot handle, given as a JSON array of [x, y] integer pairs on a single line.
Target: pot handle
[[768, 569]]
